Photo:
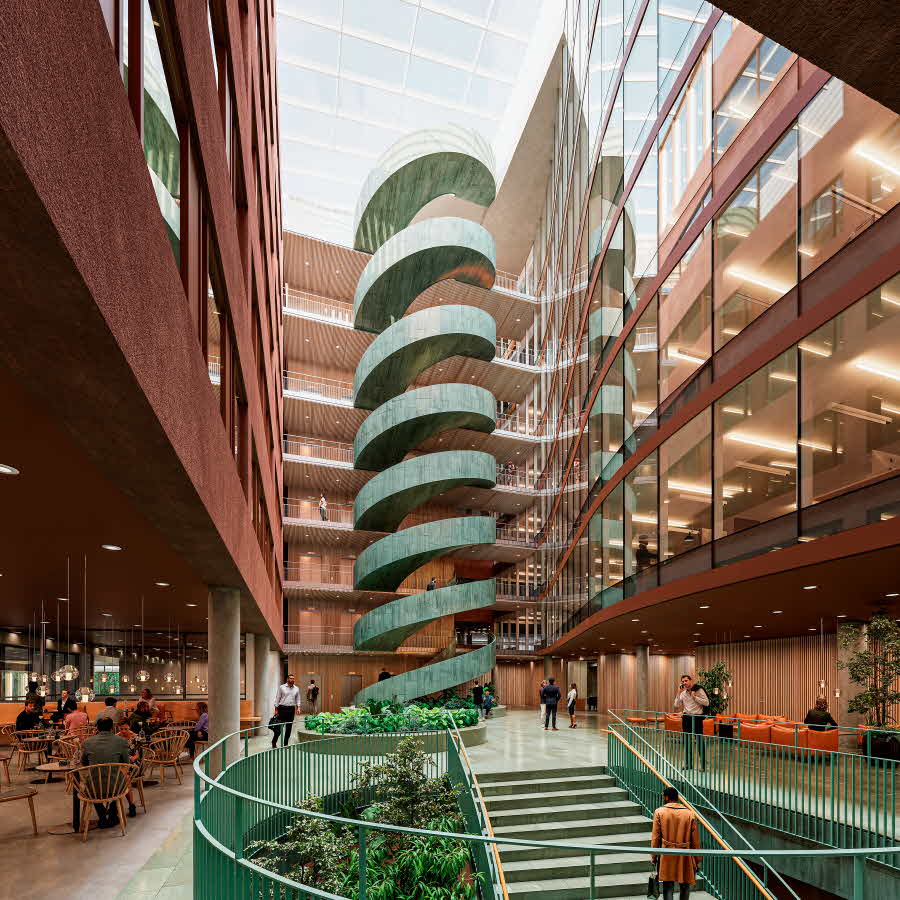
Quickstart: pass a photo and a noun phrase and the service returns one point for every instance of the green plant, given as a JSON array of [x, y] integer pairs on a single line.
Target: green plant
[[398, 719], [874, 663], [715, 681]]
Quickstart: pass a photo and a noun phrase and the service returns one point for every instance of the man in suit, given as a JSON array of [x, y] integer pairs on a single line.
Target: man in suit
[[60, 706], [550, 696]]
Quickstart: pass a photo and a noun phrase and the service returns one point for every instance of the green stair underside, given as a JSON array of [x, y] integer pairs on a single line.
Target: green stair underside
[[387, 627], [384, 565], [415, 343], [447, 673], [401, 424], [414, 260], [418, 168]]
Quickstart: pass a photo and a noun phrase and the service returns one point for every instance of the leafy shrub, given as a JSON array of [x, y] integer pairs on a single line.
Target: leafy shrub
[[408, 718]]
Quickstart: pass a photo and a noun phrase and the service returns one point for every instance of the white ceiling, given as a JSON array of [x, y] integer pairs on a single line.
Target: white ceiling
[[356, 75]]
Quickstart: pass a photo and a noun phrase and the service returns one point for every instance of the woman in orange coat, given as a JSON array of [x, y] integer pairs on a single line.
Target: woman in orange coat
[[674, 825]]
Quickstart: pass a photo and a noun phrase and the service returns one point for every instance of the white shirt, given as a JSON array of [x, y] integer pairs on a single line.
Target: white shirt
[[287, 695], [322, 503], [693, 703], [570, 697]]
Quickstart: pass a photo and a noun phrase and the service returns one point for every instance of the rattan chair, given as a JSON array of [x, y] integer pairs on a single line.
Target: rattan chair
[[106, 783], [80, 732], [142, 770], [182, 724], [25, 749], [66, 751], [167, 746]]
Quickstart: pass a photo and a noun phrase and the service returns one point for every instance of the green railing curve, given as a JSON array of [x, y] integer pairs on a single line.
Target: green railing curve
[[254, 797]]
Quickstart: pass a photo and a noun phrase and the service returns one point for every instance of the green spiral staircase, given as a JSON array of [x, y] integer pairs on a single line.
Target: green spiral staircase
[[406, 260]]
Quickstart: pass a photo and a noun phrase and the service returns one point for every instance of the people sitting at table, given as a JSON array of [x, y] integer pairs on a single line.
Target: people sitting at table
[[125, 730], [106, 747], [35, 697], [140, 716], [819, 719], [110, 711], [60, 712], [147, 694], [29, 718], [200, 731], [74, 717]]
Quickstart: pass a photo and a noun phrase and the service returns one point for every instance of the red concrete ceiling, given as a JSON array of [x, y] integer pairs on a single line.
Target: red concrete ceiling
[[61, 507]]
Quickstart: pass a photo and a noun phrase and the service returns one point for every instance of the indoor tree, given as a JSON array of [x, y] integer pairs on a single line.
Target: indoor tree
[[715, 681], [873, 661]]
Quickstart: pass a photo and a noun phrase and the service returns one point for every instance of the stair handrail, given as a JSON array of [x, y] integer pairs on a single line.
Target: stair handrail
[[480, 805], [699, 793], [700, 817]]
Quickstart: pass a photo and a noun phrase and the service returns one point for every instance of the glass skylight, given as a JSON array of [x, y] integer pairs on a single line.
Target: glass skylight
[[356, 75]]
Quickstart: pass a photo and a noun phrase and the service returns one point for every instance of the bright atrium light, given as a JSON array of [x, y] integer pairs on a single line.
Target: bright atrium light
[[6, 469], [110, 547]]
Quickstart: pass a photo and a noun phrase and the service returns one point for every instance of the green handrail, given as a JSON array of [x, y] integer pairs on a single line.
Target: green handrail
[[224, 815]]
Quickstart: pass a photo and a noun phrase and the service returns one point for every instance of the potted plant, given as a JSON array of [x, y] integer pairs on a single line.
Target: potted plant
[[873, 662], [716, 681]]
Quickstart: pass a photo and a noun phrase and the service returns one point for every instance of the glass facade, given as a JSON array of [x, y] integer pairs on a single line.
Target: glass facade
[[688, 279]]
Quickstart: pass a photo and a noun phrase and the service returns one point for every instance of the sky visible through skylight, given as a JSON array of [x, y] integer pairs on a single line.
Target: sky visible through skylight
[[356, 75]]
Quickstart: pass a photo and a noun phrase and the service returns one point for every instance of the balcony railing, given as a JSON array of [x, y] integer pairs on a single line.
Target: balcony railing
[[308, 511], [313, 639], [318, 576], [318, 387], [336, 452], [317, 307]]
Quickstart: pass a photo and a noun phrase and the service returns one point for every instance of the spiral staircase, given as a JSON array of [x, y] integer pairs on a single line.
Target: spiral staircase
[[406, 260]]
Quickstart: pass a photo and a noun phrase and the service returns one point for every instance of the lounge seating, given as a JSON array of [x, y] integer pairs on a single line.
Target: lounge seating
[[823, 740], [789, 736]]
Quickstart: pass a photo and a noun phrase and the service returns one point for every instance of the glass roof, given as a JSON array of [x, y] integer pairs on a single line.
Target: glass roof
[[356, 75]]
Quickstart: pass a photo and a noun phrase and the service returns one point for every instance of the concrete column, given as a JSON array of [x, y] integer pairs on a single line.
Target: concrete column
[[224, 668], [642, 676], [266, 677], [849, 690], [250, 669]]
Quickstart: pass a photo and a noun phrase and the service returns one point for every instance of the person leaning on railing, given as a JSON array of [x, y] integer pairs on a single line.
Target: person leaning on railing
[[819, 719]]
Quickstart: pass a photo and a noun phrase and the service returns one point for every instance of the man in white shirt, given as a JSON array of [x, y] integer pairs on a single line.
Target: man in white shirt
[[287, 703], [692, 701]]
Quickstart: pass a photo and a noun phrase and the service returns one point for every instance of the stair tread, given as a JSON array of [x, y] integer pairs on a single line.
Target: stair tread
[[529, 829], [588, 841], [617, 878], [561, 779], [537, 774], [570, 807], [549, 795], [575, 861]]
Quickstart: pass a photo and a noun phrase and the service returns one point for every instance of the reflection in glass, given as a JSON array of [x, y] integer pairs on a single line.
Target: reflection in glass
[[642, 532], [641, 353], [685, 488], [756, 448], [613, 516], [756, 242], [850, 397]]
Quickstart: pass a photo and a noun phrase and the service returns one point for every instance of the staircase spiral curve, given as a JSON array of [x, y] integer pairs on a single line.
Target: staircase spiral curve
[[406, 260]]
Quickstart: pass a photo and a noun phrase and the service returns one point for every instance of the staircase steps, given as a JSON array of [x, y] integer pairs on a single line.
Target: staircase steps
[[581, 806]]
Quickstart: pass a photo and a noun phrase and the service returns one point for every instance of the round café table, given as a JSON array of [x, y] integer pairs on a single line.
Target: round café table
[[75, 826], [50, 768]]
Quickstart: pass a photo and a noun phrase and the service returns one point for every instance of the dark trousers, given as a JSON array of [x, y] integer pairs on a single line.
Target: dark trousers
[[684, 890], [286, 715], [550, 710], [323, 514], [195, 736], [693, 725]]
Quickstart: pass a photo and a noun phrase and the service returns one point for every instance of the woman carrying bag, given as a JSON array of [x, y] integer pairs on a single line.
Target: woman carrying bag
[[674, 825]]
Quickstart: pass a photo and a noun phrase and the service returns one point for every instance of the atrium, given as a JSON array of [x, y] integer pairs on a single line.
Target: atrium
[[424, 378]]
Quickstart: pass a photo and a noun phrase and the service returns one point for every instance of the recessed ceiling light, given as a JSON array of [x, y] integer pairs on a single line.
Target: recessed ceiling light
[[777, 612], [696, 633], [108, 615], [842, 615], [110, 547], [810, 629], [704, 606], [892, 595], [8, 470], [757, 626], [698, 623], [190, 604], [746, 635], [63, 599], [635, 620], [809, 587], [161, 583]]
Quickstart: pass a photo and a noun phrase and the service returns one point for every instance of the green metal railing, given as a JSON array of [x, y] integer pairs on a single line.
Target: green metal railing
[[829, 797], [254, 798]]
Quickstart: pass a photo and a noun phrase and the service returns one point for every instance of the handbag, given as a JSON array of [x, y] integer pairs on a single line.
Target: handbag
[[274, 722], [653, 883]]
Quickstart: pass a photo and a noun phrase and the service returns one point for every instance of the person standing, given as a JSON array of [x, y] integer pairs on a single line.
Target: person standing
[[312, 696], [323, 508], [571, 697], [383, 675], [488, 702], [431, 584], [674, 825], [543, 707], [692, 701], [35, 697], [550, 697], [478, 696], [287, 703]]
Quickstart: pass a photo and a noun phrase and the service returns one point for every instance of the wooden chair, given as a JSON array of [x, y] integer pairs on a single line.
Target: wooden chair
[[105, 783], [66, 751], [167, 746], [7, 749], [80, 732], [30, 743], [142, 770], [22, 793]]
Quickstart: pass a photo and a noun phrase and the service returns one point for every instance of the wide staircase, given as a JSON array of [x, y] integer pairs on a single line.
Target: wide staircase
[[580, 806]]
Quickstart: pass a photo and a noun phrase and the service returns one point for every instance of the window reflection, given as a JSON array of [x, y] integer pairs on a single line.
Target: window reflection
[[756, 242], [614, 561], [641, 375], [756, 448], [642, 525], [685, 488], [850, 397]]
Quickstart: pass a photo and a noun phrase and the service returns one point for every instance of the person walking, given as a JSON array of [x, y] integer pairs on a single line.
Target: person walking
[[323, 508], [692, 701], [543, 707], [571, 697], [674, 825], [312, 696], [550, 696], [478, 696], [287, 704], [488, 702]]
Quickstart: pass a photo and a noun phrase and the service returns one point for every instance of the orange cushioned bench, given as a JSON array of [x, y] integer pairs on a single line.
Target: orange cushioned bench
[[786, 736]]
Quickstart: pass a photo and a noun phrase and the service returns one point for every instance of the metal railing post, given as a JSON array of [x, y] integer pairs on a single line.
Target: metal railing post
[[593, 878], [362, 862], [859, 878]]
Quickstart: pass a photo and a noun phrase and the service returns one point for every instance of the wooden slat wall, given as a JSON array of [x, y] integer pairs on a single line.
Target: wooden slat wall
[[779, 676], [616, 680]]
